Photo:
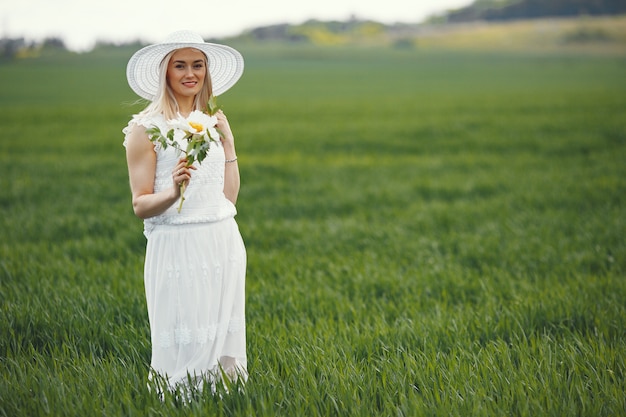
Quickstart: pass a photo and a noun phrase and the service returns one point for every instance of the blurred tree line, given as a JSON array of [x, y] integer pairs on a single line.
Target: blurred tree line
[[11, 48], [316, 31], [530, 9], [20, 47]]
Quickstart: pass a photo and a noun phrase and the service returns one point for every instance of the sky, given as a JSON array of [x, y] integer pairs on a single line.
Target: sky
[[80, 23]]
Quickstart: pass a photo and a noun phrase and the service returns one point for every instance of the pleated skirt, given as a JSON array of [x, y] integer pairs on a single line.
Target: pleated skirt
[[195, 291]]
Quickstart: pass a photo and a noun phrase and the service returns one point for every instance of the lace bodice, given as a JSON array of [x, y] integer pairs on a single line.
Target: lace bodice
[[204, 196]]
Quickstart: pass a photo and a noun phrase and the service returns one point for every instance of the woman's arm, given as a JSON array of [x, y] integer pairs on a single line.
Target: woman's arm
[[231, 171], [141, 160]]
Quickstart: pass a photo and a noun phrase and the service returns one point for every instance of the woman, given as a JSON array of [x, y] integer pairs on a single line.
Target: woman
[[195, 262]]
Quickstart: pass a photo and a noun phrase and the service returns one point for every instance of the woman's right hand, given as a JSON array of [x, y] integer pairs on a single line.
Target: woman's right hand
[[181, 174]]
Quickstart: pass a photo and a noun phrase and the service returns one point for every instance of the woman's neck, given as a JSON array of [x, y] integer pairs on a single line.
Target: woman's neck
[[185, 107]]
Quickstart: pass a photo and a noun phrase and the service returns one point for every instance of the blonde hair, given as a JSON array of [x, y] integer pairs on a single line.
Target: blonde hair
[[164, 101]]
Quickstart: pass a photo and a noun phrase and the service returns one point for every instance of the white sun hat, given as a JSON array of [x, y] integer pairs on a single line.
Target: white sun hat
[[142, 71]]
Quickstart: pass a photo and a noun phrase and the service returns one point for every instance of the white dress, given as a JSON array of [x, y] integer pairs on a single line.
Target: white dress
[[194, 275]]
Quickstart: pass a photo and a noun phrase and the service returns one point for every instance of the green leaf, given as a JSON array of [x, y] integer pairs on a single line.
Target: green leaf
[[219, 132], [212, 106], [153, 131]]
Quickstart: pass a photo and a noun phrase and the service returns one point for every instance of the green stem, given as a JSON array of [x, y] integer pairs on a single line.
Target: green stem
[[182, 196], [182, 185]]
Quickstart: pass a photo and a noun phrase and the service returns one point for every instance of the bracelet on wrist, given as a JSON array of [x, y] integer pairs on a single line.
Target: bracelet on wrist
[[231, 160]]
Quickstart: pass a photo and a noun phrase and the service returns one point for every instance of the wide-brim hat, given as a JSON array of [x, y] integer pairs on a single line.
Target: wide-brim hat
[[225, 63]]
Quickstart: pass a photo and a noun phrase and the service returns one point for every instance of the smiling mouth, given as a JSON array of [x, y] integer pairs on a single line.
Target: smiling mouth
[[190, 84]]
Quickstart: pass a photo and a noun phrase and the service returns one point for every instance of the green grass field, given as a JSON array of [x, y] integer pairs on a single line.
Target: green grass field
[[429, 233]]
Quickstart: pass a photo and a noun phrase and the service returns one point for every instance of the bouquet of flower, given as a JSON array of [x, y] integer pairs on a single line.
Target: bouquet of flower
[[199, 129]]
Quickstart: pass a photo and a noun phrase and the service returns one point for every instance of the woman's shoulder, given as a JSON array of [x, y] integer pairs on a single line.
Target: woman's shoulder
[[138, 124], [144, 119]]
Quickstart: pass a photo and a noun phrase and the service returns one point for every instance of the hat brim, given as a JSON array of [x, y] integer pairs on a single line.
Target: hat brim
[[225, 66]]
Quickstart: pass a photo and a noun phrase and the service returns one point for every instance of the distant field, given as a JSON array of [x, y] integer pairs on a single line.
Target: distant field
[[428, 232], [598, 35]]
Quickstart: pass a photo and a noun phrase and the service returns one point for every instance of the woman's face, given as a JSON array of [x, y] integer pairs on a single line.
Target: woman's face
[[186, 72]]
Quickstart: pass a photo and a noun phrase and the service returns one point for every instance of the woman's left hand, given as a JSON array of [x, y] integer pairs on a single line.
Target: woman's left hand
[[226, 134]]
